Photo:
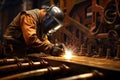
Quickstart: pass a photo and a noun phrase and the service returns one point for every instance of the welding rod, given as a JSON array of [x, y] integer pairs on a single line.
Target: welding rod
[[39, 72]]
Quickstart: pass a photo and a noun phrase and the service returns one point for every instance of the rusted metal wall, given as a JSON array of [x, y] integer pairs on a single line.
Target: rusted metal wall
[[100, 20]]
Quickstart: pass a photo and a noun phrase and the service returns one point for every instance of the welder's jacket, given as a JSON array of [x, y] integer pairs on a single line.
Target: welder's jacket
[[27, 30]]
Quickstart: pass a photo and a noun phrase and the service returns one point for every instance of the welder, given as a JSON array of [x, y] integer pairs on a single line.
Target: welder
[[29, 30]]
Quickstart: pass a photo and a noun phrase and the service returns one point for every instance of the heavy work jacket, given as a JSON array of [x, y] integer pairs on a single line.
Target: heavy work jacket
[[26, 30]]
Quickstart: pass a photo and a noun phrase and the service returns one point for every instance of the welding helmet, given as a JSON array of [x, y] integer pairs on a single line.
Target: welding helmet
[[53, 20]]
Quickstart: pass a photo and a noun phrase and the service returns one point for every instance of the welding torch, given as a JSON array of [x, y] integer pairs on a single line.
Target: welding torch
[[58, 49]]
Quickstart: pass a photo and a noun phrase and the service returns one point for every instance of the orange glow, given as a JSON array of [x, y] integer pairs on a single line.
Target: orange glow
[[68, 54]]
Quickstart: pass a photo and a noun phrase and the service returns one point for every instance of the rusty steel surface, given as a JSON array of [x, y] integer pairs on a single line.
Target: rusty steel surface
[[22, 66], [102, 63], [7, 61], [85, 76], [38, 72]]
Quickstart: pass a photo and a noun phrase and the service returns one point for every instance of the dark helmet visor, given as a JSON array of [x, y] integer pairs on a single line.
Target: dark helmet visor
[[51, 24]]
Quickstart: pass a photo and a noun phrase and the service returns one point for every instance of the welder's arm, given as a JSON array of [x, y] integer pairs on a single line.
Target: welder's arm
[[28, 26], [29, 32]]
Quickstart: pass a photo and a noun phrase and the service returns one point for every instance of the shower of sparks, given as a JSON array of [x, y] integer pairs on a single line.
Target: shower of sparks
[[69, 52]]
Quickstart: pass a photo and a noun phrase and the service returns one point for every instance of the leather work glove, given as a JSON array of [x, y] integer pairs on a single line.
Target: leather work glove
[[58, 49]]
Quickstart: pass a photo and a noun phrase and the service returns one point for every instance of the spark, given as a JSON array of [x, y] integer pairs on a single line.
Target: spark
[[70, 51], [68, 54]]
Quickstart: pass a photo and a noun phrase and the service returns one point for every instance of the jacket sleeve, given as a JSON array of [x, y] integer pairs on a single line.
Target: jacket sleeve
[[28, 26]]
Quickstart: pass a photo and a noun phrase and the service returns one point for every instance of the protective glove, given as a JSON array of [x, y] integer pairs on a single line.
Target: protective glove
[[58, 49]]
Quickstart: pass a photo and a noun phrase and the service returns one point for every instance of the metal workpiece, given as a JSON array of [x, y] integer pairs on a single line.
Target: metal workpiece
[[49, 71], [20, 67], [7, 61], [85, 76]]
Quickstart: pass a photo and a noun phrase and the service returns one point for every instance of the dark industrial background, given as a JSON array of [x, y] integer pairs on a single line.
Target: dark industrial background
[[91, 27], [98, 22]]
